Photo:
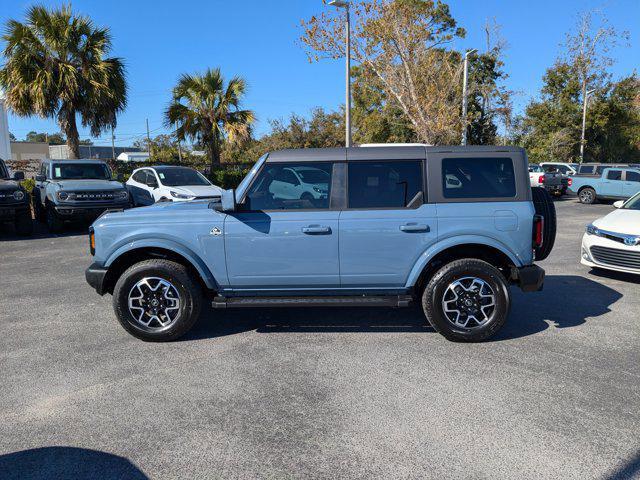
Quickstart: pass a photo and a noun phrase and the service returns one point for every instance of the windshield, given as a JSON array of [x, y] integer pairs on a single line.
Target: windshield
[[81, 171], [312, 175], [177, 176], [633, 203]]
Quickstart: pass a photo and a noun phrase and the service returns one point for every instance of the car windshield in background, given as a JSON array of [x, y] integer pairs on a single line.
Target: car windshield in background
[[313, 175], [175, 177], [81, 171]]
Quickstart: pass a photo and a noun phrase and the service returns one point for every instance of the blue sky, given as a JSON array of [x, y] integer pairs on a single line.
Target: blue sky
[[160, 39]]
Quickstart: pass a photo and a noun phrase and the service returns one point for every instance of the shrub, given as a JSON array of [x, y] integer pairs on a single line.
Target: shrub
[[28, 184]]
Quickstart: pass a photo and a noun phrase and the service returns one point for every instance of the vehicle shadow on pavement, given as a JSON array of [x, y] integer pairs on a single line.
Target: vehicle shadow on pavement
[[7, 233], [67, 463], [628, 470], [567, 301]]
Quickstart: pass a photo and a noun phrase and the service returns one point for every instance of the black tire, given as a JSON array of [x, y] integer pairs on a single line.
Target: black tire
[[188, 291], [54, 223], [544, 206], [435, 291], [24, 224], [587, 195]]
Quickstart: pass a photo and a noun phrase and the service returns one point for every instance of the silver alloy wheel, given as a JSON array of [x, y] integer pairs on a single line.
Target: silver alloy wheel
[[468, 302], [586, 196], [154, 303]]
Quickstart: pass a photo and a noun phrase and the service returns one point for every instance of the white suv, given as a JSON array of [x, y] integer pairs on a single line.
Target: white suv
[[169, 183]]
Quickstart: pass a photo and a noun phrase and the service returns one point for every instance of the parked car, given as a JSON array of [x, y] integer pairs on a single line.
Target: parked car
[[613, 242], [15, 205], [612, 184], [169, 183], [552, 180], [375, 239], [565, 168], [72, 190], [597, 168]]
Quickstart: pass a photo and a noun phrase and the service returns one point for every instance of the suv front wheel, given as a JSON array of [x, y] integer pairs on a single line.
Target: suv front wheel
[[157, 300], [467, 300]]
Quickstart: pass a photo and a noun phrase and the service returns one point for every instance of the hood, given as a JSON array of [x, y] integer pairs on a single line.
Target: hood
[[621, 221], [168, 211], [8, 185], [89, 185], [198, 191]]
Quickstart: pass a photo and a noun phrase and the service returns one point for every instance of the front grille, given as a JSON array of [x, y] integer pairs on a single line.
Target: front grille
[[92, 196], [616, 257]]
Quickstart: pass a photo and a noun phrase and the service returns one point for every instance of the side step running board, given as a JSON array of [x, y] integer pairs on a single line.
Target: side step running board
[[345, 301]]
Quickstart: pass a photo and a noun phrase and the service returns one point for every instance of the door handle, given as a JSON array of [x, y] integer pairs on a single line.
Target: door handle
[[315, 229], [414, 227]]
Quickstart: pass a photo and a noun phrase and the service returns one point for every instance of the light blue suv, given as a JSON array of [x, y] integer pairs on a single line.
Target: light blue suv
[[450, 227]]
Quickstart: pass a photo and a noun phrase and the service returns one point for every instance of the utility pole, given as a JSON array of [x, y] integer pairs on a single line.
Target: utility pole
[[345, 4], [464, 95], [113, 146], [148, 139], [585, 100]]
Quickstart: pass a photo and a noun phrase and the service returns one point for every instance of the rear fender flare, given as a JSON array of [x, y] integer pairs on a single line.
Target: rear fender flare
[[445, 244]]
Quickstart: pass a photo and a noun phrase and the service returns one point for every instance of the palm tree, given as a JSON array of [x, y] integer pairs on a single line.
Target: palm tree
[[56, 67], [206, 110]]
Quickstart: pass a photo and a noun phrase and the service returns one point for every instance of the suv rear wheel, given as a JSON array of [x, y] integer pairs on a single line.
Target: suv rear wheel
[[467, 300], [157, 300]]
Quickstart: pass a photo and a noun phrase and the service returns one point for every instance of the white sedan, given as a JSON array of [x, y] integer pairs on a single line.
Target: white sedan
[[613, 242], [169, 183]]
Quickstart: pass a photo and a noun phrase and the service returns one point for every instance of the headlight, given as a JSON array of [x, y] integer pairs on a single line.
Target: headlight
[[121, 195], [181, 196], [18, 195], [319, 190], [62, 196], [592, 229]]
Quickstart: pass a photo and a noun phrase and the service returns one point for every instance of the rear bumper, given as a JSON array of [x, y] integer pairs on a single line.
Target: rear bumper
[[530, 278], [95, 275]]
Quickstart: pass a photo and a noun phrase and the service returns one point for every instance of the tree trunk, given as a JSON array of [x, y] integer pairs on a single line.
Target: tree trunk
[[214, 155], [70, 128]]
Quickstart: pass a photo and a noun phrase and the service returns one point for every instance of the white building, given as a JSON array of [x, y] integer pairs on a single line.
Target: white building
[[133, 157], [5, 144]]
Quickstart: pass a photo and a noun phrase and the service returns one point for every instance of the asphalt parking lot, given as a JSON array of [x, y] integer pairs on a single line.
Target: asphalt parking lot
[[322, 393]]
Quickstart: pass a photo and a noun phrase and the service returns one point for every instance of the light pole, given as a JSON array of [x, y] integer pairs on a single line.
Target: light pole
[[464, 95], [585, 100], [345, 4]]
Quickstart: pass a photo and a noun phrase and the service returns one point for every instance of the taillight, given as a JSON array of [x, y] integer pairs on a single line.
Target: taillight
[[569, 181], [541, 179], [538, 231]]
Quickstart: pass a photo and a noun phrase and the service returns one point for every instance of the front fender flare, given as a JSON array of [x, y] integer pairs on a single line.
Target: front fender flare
[[170, 245], [447, 243]]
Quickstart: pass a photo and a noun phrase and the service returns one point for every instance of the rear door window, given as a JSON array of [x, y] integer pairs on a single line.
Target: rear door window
[[380, 184], [478, 178]]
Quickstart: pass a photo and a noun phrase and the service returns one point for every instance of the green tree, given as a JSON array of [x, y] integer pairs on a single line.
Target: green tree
[[207, 111], [50, 138], [57, 67], [12, 137]]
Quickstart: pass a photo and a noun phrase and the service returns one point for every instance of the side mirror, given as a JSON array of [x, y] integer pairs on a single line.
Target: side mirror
[[18, 176], [618, 204], [227, 202], [40, 178]]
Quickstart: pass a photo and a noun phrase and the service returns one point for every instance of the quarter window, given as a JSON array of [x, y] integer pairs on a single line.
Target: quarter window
[[478, 178], [633, 176], [291, 186], [614, 175], [385, 184]]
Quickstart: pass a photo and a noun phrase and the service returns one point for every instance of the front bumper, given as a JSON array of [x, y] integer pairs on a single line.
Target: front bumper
[[618, 249], [87, 211], [8, 212], [530, 278], [95, 275]]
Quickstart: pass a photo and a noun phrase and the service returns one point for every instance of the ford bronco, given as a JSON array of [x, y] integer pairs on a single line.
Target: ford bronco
[[75, 190], [14, 201], [449, 227]]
